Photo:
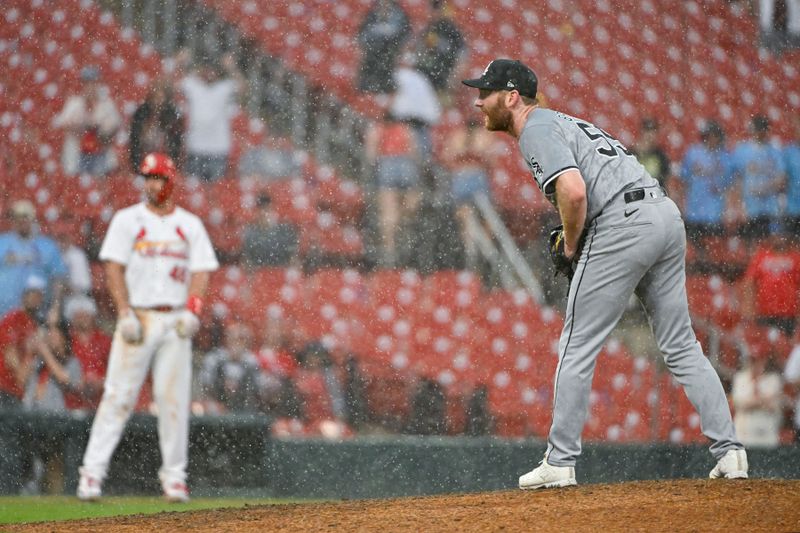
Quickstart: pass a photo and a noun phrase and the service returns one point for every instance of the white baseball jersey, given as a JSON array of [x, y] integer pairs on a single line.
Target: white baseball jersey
[[211, 106], [159, 252]]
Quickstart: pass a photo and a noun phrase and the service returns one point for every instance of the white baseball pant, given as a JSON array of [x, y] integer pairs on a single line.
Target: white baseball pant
[[128, 365]]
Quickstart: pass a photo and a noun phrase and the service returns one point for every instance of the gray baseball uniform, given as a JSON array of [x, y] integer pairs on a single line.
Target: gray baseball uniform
[[634, 243]]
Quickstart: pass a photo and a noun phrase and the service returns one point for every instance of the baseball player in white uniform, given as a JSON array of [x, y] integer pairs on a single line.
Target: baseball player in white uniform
[[620, 236], [158, 258]]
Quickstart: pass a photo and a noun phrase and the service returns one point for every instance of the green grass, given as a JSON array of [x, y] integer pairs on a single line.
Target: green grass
[[16, 509]]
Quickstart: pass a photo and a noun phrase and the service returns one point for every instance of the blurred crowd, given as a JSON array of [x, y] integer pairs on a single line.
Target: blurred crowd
[[54, 337], [779, 22]]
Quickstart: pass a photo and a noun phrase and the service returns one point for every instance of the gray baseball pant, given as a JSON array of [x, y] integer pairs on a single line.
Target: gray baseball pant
[[635, 247]]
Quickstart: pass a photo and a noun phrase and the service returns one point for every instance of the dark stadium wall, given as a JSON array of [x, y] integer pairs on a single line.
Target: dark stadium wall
[[232, 456]]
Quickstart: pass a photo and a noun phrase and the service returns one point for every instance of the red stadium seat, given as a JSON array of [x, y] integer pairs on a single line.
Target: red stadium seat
[[230, 286], [397, 288], [388, 399], [277, 290], [459, 289], [504, 403]]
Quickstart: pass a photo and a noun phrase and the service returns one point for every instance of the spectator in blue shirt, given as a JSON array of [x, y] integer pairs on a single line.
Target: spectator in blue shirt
[[706, 175], [758, 167], [23, 253], [791, 159]]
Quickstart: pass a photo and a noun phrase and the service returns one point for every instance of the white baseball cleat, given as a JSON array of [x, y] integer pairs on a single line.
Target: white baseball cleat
[[176, 492], [732, 465], [89, 488], [547, 476]]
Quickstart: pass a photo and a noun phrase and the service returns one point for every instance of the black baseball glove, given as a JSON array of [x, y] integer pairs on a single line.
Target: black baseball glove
[[563, 265]]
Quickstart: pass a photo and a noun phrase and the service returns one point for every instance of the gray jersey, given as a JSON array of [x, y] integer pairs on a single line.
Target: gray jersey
[[552, 143]]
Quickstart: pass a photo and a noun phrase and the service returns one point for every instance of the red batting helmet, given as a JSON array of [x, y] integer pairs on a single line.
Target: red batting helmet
[[157, 164]]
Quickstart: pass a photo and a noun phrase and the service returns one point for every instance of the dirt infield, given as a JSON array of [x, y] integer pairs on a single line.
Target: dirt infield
[[676, 505]]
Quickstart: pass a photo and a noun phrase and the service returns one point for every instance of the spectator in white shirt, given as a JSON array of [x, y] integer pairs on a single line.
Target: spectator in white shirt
[[757, 393], [767, 18], [79, 278], [415, 102], [90, 119], [791, 374], [415, 98], [210, 101]]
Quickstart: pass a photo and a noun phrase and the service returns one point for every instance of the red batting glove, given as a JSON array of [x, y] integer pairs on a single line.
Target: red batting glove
[[195, 304]]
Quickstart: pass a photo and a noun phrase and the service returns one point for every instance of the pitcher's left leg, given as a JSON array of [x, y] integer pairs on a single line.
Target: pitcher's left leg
[[663, 293]]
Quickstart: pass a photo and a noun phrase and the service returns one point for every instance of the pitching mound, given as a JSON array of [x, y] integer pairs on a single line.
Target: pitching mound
[[697, 505]]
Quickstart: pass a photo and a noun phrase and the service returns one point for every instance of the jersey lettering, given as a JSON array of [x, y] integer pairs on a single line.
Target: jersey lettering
[[536, 169], [611, 145], [179, 274], [174, 249]]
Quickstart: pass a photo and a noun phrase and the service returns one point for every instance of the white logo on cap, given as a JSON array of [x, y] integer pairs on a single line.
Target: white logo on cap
[[510, 84], [487, 68]]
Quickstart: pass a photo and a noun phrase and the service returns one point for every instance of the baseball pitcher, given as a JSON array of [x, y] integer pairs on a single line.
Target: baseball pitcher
[[620, 235], [158, 258]]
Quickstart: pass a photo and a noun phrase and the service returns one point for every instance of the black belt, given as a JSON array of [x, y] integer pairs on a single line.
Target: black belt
[[634, 195]]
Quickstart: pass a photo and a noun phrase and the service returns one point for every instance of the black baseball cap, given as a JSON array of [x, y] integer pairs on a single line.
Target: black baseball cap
[[506, 75]]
